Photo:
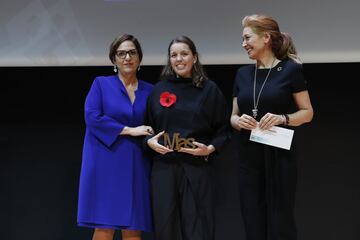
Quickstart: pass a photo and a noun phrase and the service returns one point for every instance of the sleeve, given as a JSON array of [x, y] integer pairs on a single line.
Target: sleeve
[[236, 85], [105, 128], [298, 82], [220, 120]]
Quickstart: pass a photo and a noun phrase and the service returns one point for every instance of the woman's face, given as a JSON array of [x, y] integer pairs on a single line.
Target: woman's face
[[127, 58], [182, 59], [254, 44]]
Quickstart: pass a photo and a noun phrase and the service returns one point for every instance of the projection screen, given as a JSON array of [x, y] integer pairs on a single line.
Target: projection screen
[[78, 33]]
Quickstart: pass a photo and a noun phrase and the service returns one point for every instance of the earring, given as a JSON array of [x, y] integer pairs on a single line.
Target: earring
[[139, 68], [115, 68]]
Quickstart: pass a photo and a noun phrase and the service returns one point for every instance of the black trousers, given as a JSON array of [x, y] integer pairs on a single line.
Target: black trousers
[[182, 199], [267, 192]]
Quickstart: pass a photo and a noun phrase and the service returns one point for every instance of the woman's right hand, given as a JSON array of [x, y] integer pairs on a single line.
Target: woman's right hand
[[142, 130], [244, 122], [153, 143]]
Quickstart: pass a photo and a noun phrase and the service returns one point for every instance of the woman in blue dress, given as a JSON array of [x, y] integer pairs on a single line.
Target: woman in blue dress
[[114, 183]]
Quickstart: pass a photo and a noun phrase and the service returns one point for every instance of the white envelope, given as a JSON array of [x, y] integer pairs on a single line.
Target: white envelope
[[275, 136]]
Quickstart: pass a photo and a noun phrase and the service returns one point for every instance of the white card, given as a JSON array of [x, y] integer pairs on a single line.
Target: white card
[[275, 136]]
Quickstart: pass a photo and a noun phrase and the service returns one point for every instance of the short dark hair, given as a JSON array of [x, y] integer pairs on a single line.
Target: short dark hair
[[198, 73], [119, 40]]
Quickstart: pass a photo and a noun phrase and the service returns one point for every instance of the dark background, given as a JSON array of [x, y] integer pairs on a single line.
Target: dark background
[[41, 136]]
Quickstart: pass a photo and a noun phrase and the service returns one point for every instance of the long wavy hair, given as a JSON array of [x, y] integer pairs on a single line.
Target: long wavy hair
[[198, 73], [282, 44]]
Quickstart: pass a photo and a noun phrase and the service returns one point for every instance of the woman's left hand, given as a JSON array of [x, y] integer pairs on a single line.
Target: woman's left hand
[[201, 150], [269, 120]]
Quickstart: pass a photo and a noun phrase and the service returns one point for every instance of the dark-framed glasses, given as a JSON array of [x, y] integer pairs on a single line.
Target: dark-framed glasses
[[122, 53]]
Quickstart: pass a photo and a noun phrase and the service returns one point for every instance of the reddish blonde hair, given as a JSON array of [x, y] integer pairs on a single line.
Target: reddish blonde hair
[[282, 44]]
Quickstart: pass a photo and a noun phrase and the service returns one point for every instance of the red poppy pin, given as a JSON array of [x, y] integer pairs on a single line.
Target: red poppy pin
[[167, 99]]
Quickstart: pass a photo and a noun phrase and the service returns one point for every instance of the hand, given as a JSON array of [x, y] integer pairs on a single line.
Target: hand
[[269, 120], [153, 143], [201, 150], [137, 131], [244, 121]]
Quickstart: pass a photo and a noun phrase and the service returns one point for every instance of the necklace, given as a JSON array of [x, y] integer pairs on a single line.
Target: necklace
[[256, 100]]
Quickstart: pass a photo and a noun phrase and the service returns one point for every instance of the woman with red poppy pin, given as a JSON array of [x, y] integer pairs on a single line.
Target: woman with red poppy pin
[[189, 116]]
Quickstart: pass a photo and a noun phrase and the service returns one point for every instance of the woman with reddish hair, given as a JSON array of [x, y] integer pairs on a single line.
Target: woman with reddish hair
[[271, 92]]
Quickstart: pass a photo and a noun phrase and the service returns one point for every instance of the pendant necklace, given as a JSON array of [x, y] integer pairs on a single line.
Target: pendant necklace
[[256, 100]]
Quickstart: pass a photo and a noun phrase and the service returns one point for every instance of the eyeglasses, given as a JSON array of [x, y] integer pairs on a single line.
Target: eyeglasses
[[122, 53]]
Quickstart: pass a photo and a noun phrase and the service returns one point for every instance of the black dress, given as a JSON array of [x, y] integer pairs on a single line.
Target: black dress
[[268, 174], [181, 183]]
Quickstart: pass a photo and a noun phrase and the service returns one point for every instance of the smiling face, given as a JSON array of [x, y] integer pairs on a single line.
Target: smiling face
[[255, 44], [182, 59], [127, 58]]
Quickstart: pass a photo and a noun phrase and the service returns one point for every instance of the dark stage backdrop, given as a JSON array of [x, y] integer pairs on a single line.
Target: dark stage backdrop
[[41, 135]]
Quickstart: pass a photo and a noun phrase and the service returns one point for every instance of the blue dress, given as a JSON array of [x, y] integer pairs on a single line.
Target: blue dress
[[115, 175]]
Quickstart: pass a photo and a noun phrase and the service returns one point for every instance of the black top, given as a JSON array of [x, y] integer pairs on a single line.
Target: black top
[[199, 113], [285, 79]]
